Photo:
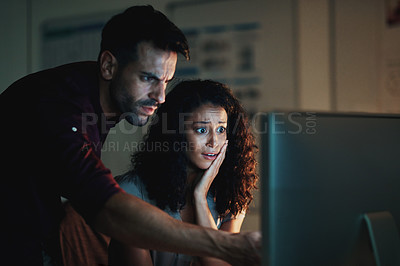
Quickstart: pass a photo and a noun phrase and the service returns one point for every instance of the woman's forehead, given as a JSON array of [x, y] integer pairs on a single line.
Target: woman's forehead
[[209, 113]]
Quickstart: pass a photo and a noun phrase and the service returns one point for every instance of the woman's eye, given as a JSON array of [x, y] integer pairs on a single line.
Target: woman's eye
[[221, 130], [201, 130]]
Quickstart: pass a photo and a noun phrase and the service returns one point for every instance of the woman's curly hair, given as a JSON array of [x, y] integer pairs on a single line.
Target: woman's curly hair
[[161, 161]]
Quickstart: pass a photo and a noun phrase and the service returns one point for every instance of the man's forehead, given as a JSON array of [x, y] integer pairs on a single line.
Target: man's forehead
[[148, 50], [157, 62]]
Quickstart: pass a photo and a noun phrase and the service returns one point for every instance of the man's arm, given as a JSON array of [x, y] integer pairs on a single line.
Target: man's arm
[[135, 222]]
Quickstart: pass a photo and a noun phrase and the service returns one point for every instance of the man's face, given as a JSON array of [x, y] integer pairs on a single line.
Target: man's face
[[139, 88]]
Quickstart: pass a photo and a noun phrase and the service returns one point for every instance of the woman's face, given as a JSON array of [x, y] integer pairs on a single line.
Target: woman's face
[[205, 131]]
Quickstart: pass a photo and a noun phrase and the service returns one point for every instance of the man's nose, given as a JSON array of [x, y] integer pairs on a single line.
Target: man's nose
[[158, 92]]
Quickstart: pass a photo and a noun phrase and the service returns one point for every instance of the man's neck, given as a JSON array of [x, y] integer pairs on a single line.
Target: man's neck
[[109, 108]]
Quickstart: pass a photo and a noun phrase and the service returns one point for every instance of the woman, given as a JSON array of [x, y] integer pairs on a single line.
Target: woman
[[197, 163]]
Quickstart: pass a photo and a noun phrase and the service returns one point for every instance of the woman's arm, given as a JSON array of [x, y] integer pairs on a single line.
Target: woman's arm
[[120, 254], [203, 214], [204, 218]]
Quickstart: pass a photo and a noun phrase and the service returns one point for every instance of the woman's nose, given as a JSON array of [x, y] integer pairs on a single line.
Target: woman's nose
[[212, 141]]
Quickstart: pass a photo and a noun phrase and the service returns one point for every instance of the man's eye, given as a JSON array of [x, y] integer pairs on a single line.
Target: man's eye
[[147, 78], [201, 130]]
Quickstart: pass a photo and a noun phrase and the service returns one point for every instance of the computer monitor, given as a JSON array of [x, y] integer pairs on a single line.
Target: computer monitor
[[330, 189]]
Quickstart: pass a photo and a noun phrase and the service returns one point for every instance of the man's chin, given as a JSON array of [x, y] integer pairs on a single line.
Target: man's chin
[[137, 120]]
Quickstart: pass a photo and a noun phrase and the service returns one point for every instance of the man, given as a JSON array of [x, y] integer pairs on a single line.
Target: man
[[54, 123]]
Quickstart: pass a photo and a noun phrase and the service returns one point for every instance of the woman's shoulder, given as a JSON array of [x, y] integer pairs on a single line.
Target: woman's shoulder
[[128, 177], [132, 184]]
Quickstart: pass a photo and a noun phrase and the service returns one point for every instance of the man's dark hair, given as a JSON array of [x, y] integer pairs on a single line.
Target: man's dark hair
[[124, 31]]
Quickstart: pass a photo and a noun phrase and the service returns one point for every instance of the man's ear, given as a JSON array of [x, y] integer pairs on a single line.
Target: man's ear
[[108, 65]]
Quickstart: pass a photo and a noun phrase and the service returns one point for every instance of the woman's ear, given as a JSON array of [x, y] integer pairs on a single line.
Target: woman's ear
[[108, 65]]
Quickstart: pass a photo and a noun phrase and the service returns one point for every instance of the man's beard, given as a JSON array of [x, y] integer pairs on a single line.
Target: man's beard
[[134, 119], [130, 110], [133, 116]]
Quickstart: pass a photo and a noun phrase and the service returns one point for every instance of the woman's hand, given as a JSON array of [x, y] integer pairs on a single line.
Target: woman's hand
[[204, 184], [203, 214]]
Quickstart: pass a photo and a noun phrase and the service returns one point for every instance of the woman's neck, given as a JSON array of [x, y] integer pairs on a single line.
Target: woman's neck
[[192, 175]]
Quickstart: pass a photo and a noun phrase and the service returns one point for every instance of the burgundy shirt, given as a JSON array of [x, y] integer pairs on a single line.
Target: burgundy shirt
[[53, 128]]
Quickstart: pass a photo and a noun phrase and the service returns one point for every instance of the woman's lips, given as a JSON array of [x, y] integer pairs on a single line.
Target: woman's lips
[[209, 156]]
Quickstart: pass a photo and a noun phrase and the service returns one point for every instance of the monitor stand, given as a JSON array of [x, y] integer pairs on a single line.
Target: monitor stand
[[384, 238]]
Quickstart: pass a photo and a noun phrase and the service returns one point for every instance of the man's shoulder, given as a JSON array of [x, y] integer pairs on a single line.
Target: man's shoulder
[[74, 85], [78, 79], [64, 80]]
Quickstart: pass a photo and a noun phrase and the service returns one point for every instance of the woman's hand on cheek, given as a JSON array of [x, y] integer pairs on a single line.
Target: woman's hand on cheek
[[204, 184]]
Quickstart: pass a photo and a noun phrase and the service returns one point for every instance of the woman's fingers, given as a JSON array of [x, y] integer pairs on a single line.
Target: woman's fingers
[[218, 161], [210, 174]]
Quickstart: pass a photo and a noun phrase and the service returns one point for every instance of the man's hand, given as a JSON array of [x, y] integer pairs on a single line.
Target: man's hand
[[249, 249]]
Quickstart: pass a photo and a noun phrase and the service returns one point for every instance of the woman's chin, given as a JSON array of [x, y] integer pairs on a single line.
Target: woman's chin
[[205, 166], [202, 166]]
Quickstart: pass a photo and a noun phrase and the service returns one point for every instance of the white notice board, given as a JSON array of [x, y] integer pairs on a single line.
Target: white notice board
[[224, 46], [247, 44]]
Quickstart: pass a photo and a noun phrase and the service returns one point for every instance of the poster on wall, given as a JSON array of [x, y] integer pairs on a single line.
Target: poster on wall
[[225, 53], [389, 96], [226, 45]]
